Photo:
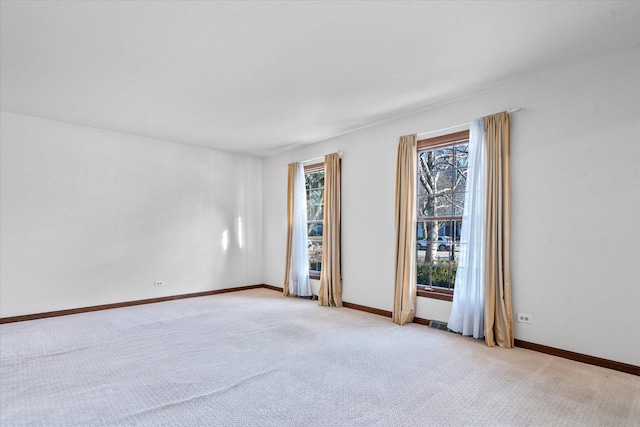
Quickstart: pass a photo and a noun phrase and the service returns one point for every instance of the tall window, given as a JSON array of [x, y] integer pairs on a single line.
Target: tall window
[[442, 177], [314, 180]]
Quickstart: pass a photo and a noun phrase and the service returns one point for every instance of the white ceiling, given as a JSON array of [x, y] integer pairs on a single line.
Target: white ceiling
[[262, 77]]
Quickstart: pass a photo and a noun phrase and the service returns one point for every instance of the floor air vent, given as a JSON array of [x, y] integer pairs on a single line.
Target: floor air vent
[[438, 325]]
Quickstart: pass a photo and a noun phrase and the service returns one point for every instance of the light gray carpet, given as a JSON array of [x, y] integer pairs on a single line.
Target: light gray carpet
[[255, 358]]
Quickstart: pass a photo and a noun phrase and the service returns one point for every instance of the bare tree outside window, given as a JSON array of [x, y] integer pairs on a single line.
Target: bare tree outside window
[[314, 181], [442, 177]]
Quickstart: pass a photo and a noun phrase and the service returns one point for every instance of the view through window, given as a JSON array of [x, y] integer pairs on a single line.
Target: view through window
[[314, 181], [442, 178]]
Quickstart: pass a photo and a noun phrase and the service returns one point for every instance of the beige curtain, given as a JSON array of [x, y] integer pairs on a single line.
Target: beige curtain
[[498, 312], [404, 306], [330, 293], [290, 187]]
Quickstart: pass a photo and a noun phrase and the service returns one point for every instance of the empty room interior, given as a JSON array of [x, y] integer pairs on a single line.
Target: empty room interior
[[156, 159]]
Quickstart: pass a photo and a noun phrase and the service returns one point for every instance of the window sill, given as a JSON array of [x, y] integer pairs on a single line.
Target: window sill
[[314, 275], [435, 294]]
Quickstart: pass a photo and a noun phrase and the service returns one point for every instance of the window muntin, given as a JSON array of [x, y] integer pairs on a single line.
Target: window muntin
[[441, 183], [314, 182]]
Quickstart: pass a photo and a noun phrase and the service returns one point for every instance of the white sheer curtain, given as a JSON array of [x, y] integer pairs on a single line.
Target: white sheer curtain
[[299, 273], [467, 312]]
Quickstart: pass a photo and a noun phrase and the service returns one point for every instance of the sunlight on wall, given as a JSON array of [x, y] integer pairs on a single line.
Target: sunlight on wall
[[225, 240], [240, 235]]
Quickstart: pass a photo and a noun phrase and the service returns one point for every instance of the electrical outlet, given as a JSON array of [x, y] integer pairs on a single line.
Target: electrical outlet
[[158, 283], [524, 318]]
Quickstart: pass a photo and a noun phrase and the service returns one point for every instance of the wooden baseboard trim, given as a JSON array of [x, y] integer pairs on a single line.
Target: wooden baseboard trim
[[125, 304], [273, 288], [380, 312], [579, 357], [359, 307], [421, 321]]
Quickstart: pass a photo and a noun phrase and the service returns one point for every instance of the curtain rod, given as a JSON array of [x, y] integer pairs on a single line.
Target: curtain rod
[[513, 110], [340, 153]]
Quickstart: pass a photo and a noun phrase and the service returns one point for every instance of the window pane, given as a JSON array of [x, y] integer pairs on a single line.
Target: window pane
[[457, 227], [437, 253], [425, 173], [315, 254], [425, 162], [425, 234], [441, 229], [423, 189], [315, 230], [456, 253], [424, 274], [315, 196], [443, 159], [460, 184], [315, 212], [444, 181], [443, 205], [462, 158], [424, 230], [458, 204], [441, 274], [314, 243], [314, 180], [425, 206]]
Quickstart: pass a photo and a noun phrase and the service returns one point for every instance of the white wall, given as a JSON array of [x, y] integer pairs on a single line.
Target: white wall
[[575, 205], [93, 217]]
